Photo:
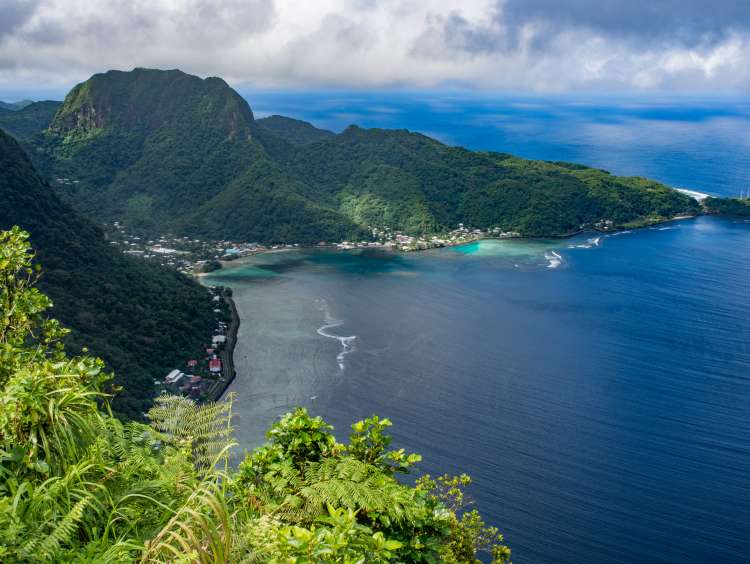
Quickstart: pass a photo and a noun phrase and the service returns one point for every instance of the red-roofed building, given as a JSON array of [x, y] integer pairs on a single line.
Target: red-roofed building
[[214, 365]]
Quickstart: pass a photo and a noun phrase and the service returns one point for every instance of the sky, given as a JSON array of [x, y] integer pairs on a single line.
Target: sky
[[525, 46]]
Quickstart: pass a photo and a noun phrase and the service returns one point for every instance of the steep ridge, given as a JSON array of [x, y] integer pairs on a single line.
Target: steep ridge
[[142, 319]]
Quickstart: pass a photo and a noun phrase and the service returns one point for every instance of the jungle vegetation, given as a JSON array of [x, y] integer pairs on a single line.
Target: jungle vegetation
[[142, 319], [739, 207], [164, 151], [79, 485]]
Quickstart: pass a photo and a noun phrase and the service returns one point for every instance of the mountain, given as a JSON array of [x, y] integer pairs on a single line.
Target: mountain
[[143, 320], [164, 151], [169, 152], [14, 106], [386, 177], [294, 131], [30, 120]]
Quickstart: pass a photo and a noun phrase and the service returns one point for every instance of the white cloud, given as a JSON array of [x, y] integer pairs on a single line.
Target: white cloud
[[526, 45]]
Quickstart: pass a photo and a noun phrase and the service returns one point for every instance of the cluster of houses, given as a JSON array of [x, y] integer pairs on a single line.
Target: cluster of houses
[[185, 254], [460, 235], [186, 384], [604, 224], [198, 378]]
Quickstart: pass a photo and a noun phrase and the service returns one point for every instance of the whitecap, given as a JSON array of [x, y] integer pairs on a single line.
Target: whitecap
[[347, 343], [554, 259]]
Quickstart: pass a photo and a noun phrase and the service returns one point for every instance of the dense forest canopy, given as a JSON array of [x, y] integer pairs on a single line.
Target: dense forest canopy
[[739, 207], [294, 131], [164, 151], [77, 485], [23, 123], [141, 318]]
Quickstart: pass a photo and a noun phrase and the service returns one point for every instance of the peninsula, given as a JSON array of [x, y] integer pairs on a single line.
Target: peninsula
[[166, 152]]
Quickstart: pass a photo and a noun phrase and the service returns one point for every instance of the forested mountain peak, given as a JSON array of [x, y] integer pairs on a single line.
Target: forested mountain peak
[[150, 98]]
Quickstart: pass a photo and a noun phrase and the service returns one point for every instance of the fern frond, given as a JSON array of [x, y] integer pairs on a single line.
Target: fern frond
[[207, 428], [47, 546]]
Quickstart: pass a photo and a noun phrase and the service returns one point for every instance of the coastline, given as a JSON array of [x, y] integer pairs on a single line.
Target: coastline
[[228, 371], [641, 225]]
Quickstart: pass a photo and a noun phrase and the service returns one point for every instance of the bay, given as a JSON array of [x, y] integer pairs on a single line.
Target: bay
[[601, 401], [602, 406]]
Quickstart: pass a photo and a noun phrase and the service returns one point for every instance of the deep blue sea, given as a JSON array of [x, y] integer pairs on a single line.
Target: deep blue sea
[[597, 388], [702, 143]]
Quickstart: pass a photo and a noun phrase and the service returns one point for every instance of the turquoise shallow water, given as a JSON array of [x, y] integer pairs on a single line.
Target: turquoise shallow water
[[601, 401]]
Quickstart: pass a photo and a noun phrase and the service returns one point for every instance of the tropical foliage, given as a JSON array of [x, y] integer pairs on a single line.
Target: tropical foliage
[[78, 485], [293, 131], [168, 152], [739, 207], [143, 320]]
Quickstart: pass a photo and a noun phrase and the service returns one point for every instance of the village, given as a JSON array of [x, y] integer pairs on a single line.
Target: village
[[196, 256], [206, 376]]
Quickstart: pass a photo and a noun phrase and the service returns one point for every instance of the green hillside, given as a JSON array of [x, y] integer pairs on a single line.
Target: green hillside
[[294, 131], [164, 151], [14, 106], [738, 207], [142, 319], [386, 178], [29, 120]]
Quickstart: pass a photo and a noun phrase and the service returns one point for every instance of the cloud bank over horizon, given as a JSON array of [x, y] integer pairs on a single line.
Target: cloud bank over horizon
[[540, 46]]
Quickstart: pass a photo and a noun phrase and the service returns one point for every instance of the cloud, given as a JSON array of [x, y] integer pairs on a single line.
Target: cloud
[[512, 45], [687, 23], [15, 13]]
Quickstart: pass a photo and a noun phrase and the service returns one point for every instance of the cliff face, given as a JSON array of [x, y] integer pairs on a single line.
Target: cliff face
[[147, 99]]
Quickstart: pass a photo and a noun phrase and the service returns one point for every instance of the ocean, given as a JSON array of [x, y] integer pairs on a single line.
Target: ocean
[[698, 143], [597, 389]]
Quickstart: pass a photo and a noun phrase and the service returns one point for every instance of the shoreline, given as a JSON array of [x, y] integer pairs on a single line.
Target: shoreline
[[240, 260], [228, 371]]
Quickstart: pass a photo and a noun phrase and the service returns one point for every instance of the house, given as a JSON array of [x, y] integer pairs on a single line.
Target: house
[[173, 377], [219, 339], [214, 365]]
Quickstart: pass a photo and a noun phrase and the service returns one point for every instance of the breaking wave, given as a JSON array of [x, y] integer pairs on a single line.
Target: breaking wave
[[554, 259], [347, 343]]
